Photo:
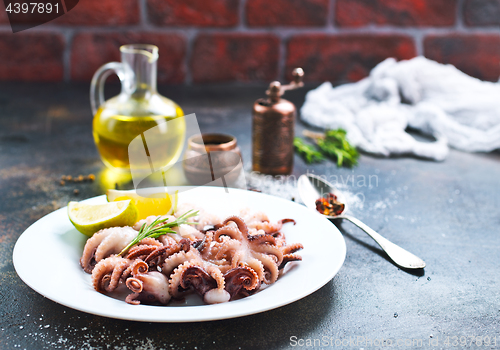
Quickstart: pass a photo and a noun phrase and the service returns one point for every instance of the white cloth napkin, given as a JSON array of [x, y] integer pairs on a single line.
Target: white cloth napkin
[[439, 100]]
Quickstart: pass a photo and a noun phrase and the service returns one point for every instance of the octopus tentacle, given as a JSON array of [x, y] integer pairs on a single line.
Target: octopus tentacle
[[87, 261], [172, 262], [292, 248], [118, 239], [199, 243], [158, 256], [139, 267], [185, 244], [289, 257], [242, 227], [223, 265], [271, 271], [132, 299], [252, 217], [238, 258], [269, 250], [280, 239], [166, 240], [197, 278], [175, 287], [132, 267], [140, 251], [150, 241], [216, 274], [134, 284], [107, 273], [228, 249], [261, 238], [228, 230], [219, 294], [270, 227], [177, 259], [284, 221], [279, 236], [204, 248], [188, 231], [207, 228], [149, 287], [207, 219], [240, 278], [257, 266]]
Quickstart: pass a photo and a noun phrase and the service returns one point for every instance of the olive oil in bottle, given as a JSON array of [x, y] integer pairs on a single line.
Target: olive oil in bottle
[[113, 132]]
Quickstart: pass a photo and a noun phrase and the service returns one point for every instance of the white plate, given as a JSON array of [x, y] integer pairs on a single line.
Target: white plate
[[46, 257]]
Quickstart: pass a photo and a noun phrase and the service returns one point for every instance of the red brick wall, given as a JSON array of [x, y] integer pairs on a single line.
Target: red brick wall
[[219, 41]]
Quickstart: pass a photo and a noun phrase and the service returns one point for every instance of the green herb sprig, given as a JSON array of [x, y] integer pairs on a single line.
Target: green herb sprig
[[160, 227], [332, 144], [308, 152]]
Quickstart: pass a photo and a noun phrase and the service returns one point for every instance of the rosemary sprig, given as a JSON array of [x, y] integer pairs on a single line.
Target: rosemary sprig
[[160, 227], [308, 152], [333, 144]]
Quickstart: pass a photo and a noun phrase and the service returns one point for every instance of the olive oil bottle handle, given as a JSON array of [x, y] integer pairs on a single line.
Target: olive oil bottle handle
[[99, 78]]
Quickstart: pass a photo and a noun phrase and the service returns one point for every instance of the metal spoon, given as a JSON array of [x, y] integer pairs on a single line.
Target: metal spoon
[[312, 187]]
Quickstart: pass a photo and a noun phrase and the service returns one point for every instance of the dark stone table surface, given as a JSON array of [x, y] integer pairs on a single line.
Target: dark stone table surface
[[447, 213]]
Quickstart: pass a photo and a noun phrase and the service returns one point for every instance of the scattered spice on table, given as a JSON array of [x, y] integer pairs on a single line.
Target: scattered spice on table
[[66, 179], [76, 179]]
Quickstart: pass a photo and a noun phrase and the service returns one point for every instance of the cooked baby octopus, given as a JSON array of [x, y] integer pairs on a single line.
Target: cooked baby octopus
[[220, 261]]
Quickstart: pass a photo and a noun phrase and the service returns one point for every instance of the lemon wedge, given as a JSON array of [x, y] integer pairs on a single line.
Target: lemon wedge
[[156, 203], [90, 218]]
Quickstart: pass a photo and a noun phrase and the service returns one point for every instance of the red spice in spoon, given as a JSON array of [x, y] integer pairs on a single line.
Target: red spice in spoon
[[329, 205]]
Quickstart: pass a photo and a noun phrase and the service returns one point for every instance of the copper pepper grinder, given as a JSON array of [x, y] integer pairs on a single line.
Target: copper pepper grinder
[[273, 129]]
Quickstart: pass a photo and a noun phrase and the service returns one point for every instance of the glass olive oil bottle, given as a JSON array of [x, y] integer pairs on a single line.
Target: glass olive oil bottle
[[137, 109]]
